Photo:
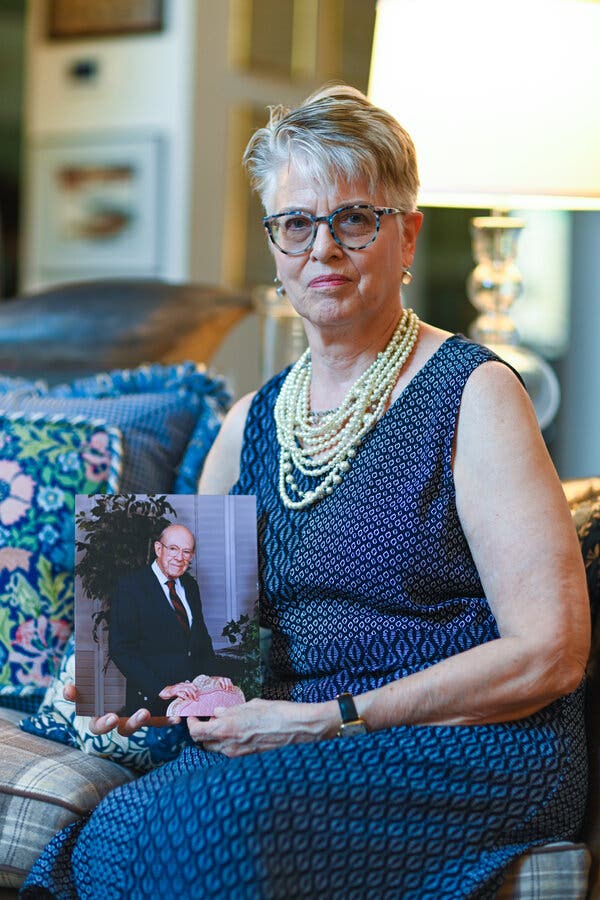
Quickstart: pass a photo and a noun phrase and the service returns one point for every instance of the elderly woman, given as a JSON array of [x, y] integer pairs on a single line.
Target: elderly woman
[[418, 568]]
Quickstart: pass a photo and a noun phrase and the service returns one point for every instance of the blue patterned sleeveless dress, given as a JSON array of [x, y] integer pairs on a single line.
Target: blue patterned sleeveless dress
[[373, 583]]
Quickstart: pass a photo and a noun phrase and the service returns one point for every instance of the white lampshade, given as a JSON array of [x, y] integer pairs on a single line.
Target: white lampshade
[[501, 97]]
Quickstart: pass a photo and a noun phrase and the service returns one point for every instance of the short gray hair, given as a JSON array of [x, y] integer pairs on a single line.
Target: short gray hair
[[336, 132]]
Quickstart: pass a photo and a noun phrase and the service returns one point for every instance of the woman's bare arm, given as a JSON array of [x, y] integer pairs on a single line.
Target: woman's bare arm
[[520, 533], [221, 469]]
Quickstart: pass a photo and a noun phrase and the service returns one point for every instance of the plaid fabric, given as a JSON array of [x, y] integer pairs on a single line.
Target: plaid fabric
[[553, 872], [26, 703], [43, 787]]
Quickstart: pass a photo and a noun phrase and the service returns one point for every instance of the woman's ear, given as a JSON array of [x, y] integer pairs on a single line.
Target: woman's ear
[[412, 226]]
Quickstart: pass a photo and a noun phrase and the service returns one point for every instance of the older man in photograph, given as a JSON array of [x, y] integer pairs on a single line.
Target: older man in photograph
[[158, 638]]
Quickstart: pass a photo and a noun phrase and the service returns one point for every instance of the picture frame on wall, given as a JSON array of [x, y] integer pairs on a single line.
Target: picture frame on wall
[[95, 205], [103, 18]]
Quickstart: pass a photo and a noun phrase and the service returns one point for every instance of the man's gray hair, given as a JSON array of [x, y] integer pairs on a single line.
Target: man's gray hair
[[335, 133]]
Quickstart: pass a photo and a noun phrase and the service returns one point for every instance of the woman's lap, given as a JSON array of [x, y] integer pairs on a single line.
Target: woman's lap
[[405, 812]]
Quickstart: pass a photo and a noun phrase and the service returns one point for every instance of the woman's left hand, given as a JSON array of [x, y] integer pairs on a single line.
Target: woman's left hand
[[261, 725]]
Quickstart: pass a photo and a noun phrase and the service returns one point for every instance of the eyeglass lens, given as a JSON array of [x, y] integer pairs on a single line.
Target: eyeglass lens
[[352, 227]]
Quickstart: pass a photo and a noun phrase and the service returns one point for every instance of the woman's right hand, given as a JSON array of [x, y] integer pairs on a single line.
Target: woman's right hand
[[125, 726]]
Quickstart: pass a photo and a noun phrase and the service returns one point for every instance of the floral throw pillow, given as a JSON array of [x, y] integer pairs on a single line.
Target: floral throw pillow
[[44, 462], [56, 720]]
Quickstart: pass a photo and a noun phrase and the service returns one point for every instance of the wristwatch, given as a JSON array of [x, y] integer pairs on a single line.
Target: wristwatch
[[351, 722]]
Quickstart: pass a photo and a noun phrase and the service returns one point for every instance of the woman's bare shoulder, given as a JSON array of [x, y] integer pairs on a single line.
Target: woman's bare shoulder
[[498, 442], [430, 340], [488, 385], [222, 467], [493, 391]]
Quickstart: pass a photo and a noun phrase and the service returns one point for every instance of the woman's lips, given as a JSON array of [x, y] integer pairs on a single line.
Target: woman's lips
[[328, 281]]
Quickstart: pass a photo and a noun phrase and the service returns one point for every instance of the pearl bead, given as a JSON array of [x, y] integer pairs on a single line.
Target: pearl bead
[[322, 446]]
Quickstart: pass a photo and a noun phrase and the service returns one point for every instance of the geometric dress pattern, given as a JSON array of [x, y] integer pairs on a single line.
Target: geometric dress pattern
[[372, 583]]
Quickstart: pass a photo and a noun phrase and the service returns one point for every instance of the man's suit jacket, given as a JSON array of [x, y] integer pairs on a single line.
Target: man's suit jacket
[[148, 644]]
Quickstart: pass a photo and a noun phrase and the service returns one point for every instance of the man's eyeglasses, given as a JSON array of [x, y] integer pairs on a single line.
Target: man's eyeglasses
[[174, 550], [352, 227]]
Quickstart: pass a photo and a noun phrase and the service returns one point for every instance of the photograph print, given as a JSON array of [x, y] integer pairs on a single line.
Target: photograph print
[[166, 593]]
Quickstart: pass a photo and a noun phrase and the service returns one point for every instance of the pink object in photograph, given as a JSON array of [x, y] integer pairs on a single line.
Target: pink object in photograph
[[211, 694]]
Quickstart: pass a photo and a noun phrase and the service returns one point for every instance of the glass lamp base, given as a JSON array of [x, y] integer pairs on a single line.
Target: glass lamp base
[[282, 334], [493, 286]]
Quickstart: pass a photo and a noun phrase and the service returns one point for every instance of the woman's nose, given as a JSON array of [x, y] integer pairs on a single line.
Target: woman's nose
[[325, 245]]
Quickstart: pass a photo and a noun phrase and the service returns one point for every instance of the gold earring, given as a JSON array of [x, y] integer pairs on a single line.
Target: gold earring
[[406, 277]]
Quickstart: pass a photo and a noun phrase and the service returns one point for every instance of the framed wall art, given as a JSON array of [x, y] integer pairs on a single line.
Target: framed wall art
[[95, 205], [82, 18]]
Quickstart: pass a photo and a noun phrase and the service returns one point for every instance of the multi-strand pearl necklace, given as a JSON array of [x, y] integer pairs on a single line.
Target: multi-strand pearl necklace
[[323, 446]]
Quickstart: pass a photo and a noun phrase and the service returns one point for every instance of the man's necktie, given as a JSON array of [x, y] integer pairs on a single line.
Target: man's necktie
[[178, 606]]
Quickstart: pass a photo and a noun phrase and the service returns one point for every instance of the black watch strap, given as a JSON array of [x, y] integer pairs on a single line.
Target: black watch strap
[[347, 707], [352, 724]]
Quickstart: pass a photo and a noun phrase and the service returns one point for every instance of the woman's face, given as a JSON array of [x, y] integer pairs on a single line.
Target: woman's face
[[329, 285]]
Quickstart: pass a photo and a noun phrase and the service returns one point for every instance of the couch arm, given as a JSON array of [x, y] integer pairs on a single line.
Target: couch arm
[[43, 787], [577, 490]]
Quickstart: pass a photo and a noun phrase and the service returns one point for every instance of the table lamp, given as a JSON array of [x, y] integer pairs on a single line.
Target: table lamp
[[502, 101]]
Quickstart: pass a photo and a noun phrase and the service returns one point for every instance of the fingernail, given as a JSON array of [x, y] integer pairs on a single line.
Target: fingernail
[[111, 721]]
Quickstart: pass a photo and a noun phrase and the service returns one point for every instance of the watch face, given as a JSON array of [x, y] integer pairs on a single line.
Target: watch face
[[349, 729]]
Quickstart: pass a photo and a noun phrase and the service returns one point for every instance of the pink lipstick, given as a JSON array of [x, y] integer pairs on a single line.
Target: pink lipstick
[[328, 281]]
